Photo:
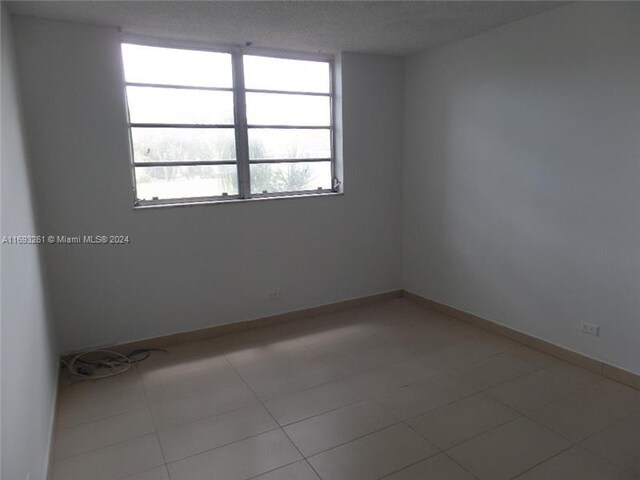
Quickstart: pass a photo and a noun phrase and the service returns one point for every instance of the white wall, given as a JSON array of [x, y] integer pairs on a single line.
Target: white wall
[[28, 354], [193, 267], [522, 173]]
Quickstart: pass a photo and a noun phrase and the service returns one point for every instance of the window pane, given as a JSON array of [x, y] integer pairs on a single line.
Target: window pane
[[267, 73], [290, 177], [289, 143], [279, 109], [170, 105], [185, 182], [183, 144], [175, 66]]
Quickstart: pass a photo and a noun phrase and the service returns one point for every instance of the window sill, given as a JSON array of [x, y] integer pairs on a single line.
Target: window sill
[[237, 200]]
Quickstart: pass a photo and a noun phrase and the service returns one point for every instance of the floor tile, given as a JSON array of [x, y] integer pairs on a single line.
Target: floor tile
[[269, 357], [102, 433], [238, 461], [76, 413], [462, 420], [296, 471], [180, 354], [535, 357], [176, 411], [202, 435], [313, 401], [541, 387], [155, 474], [373, 456], [578, 464], [619, 390], [425, 395], [291, 379], [112, 463], [368, 359], [508, 450], [392, 376], [584, 412], [494, 371], [339, 426], [200, 377], [71, 391], [620, 443], [439, 467], [498, 342], [461, 354], [426, 337], [576, 374], [345, 340], [195, 363]]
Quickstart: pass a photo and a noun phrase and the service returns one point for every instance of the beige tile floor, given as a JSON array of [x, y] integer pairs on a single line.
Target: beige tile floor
[[384, 391]]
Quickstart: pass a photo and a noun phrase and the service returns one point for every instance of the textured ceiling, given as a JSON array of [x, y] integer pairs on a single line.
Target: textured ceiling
[[390, 27]]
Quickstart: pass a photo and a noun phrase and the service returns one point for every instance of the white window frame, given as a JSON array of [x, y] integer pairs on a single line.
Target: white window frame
[[240, 125]]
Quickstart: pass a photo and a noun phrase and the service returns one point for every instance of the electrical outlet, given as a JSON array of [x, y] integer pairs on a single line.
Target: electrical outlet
[[274, 295], [590, 329]]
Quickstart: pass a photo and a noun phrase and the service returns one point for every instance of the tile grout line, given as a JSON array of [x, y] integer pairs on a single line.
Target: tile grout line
[[119, 442], [350, 404], [444, 451], [501, 383], [573, 443], [278, 425], [208, 417], [533, 420], [584, 387], [252, 477], [228, 443], [636, 411], [624, 468], [223, 445], [137, 407], [124, 412], [543, 461], [156, 432], [581, 387], [136, 437], [461, 466], [144, 472], [444, 405]]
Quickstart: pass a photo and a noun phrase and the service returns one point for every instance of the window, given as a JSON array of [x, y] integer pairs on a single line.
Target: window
[[218, 125]]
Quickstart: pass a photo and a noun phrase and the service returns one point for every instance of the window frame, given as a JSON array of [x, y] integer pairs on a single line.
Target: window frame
[[240, 126]]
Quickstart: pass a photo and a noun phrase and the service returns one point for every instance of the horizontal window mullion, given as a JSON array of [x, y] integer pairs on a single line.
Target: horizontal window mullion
[[179, 87], [288, 92], [291, 193], [297, 127], [181, 125], [186, 163], [175, 201], [288, 160]]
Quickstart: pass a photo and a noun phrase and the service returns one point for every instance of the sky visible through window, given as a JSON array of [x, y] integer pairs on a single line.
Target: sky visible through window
[[205, 99]]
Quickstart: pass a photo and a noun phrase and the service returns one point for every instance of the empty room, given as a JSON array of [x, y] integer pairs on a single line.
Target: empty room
[[320, 240]]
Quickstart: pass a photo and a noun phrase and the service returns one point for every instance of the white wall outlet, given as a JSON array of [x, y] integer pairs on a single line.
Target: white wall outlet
[[274, 295], [590, 329]]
